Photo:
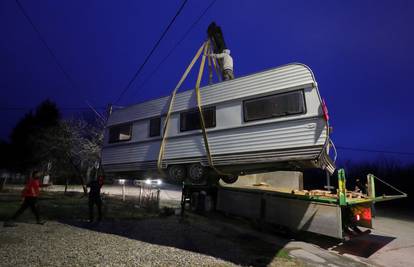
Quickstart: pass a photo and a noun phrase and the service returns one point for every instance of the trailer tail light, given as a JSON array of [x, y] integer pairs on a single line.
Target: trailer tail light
[[361, 215], [325, 110], [366, 214]]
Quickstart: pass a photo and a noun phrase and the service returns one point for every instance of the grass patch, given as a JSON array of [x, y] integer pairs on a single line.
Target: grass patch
[[58, 206], [283, 254]]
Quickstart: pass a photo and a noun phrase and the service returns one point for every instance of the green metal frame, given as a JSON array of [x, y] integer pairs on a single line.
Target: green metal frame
[[341, 200], [342, 187], [372, 198]]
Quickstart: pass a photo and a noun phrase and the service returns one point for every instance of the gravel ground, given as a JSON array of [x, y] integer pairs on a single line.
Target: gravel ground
[[126, 237], [57, 244], [153, 242], [131, 236]]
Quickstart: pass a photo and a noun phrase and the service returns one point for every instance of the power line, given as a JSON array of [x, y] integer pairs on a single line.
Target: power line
[[375, 151], [33, 108], [152, 51], [176, 45], [45, 43]]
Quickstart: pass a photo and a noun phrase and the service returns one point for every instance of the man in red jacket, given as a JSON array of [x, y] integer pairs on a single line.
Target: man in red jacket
[[30, 194]]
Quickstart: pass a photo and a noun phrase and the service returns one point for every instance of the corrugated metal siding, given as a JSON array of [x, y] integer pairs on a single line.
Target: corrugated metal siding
[[134, 166], [289, 76], [130, 153], [276, 136], [297, 155], [261, 137]]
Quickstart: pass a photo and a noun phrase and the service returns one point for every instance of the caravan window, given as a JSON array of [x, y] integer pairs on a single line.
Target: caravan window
[[155, 127], [120, 133], [274, 106], [190, 120]]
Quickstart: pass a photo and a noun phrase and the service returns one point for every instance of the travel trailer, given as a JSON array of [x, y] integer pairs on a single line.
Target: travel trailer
[[270, 120]]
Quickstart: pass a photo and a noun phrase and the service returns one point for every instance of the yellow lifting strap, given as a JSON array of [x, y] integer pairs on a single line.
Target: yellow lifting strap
[[200, 109], [203, 48], [170, 107], [210, 70], [215, 64]]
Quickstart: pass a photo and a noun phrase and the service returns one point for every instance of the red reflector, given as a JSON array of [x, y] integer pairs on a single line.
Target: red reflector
[[325, 110], [358, 217], [366, 214]]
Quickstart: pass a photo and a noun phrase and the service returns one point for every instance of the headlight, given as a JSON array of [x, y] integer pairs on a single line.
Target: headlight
[[148, 181]]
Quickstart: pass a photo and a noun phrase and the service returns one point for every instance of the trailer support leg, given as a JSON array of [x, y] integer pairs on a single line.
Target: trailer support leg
[[342, 187], [371, 192], [371, 186], [328, 185]]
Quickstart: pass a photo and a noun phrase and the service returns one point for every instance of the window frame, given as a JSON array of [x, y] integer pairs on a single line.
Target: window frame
[[195, 110], [159, 127], [302, 91], [110, 141]]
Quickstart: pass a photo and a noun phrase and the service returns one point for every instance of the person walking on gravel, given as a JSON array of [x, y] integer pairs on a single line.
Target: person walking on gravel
[[30, 195]]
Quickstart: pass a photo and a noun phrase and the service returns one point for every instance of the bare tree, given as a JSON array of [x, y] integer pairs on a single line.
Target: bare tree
[[86, 138], [72, 147]]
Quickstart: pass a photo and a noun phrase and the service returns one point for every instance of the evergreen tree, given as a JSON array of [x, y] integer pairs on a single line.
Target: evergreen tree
[[24, 136]]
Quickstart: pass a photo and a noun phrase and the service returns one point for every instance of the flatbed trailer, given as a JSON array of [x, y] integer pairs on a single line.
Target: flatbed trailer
[[322, 212]]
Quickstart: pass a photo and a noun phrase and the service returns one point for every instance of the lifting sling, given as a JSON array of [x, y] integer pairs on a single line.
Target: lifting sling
[[170, 107], [204, 48]]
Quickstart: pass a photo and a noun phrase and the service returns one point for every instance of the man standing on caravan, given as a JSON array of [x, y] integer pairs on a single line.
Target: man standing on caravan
[[221, 52], [227, 64]]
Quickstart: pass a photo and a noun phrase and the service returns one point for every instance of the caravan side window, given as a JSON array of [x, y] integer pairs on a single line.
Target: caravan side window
[[190, 120], [120, 133], [155, 127], [274, 106]]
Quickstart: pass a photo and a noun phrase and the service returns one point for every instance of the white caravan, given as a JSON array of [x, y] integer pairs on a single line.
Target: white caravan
[[271, 120]]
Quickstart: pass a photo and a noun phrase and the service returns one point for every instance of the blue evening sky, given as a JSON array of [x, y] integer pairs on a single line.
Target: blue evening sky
[[360, 51]]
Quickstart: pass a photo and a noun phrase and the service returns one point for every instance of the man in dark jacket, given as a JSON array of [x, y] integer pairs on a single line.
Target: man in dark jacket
[[95, 198]]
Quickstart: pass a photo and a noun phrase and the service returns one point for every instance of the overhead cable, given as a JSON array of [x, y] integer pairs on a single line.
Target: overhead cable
[[151, 52], [42, 39], [175, 46]]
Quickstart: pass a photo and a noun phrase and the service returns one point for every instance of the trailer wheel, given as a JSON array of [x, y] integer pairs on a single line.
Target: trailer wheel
[[230, 179], [177, 173], [197, 173]]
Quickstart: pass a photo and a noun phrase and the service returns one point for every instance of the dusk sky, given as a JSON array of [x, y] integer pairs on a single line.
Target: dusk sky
[[361, 52]]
